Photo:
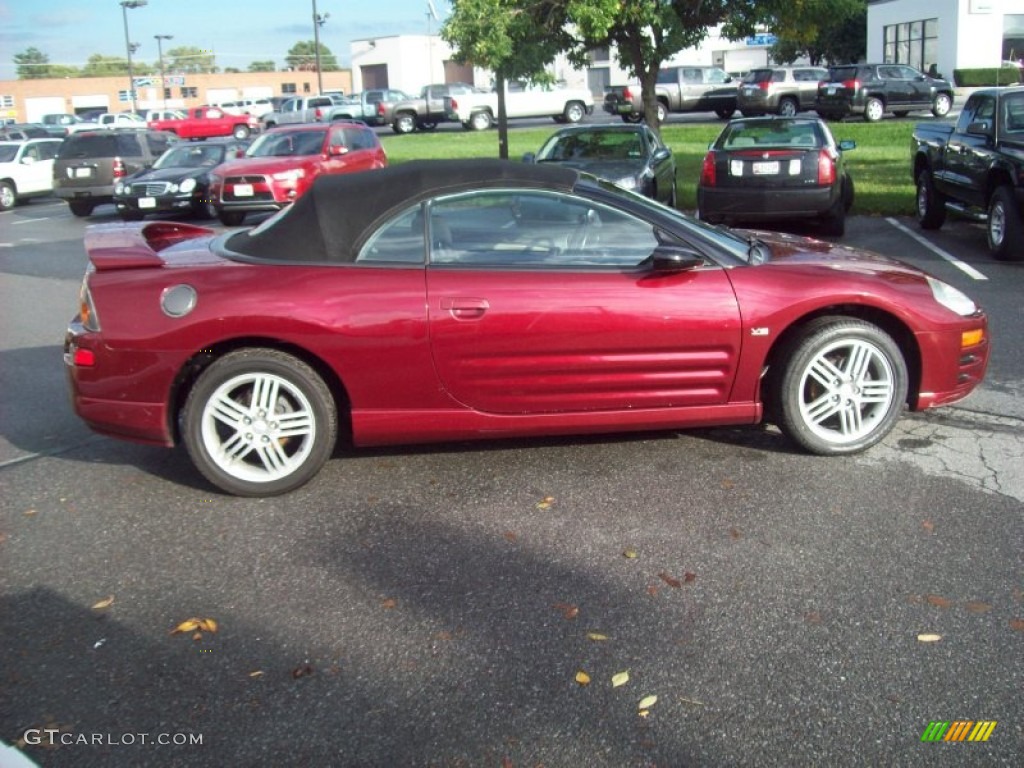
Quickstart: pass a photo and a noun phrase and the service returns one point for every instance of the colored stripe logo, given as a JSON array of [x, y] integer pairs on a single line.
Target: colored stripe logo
[[958, 730]]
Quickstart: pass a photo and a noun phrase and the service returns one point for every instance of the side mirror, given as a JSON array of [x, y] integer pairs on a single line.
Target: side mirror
[[847, 144], [675, 258], [27, 160], [335, 150], [529, 157], [980, 128]]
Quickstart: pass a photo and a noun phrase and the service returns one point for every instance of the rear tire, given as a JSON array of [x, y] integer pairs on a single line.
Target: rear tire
[[632, 117], [1005, 232], [931, 204], [662, 112], [403, 124], [574, 112], [725, 114], [8, 197], [480, 121], [874, 109], [840, 386], [231, 218], [788, 107], [942, 104], [241, 132], [259, 422], [79, 208]]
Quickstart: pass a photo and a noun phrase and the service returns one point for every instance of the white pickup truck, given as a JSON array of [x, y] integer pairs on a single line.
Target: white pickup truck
[[479, 111]]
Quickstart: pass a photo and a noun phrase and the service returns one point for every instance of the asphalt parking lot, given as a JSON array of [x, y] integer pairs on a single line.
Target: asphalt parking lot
[[435, 606]]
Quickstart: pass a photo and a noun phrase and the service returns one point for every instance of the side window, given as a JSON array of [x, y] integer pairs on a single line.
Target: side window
[[402, 240], [357, 138], [128, 145], [535, 229], [692, 76], [778, 76]]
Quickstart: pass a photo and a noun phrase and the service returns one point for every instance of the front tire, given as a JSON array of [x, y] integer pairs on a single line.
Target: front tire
[[725, 114], [259, 422], [931, 204], [662, 112], [403, 124], [241, 132], [841, 386], [633, 117], [788, 107], [80, 209], [1005, 232]]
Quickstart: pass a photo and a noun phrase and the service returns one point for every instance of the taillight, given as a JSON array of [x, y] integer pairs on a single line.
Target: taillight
[[455, 106], [707, 170], [853, 85], [764, 85], [826, 168], [318, 114], [627, 94], [119, 172], [380, 108]]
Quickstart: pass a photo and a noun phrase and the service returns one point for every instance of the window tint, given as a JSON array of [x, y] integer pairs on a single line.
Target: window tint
[[401, 240], [89, 145], [359, 138], [535, 229], [669, 75]]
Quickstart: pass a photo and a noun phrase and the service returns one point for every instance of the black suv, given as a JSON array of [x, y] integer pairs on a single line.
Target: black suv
[[90, 163], [874, 89]]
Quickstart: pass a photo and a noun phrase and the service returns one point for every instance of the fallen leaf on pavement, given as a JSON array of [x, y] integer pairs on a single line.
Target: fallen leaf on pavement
[[629, 554], [647, 702], [928, 525], [597, 637], [570, 612], [674, 583], [104, 603], [938, 601], [546, 502], [303, 670], [256, 673], [582, 678], [1017, 624], [388, 603], [929, 638], [620, 679], [976, 606]]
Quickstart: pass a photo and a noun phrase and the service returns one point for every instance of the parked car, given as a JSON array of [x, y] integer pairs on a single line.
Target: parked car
[[90, 163], [874, 89], [178, 182], [473, 299], [425, 111], [23, 131], [976, 168], [479, 111], [209, 122], [61, 124], [776, 168], [301, 109], [282, 163], [783, 91], [368, 106], [26, 170], [678, 89], [163, 114], [121, 120], [631, 156]]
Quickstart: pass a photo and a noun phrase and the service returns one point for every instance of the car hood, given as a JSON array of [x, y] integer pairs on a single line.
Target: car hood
[[265, 164], [799, 251], [167, 174]]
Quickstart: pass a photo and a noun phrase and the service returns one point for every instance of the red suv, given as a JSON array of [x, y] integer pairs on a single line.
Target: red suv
[[282, 163]]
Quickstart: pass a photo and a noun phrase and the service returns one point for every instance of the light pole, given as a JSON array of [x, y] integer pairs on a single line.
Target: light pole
[[160, 53], [318, 21], [129, 47]]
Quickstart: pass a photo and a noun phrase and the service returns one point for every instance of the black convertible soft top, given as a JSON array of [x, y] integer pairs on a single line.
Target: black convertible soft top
[[332, 219]]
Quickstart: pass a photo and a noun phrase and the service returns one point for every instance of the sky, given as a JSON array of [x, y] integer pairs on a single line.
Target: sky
[[238, 31]]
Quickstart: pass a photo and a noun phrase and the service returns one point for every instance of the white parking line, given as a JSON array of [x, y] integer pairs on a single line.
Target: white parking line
[[965, 268], [28, 221]]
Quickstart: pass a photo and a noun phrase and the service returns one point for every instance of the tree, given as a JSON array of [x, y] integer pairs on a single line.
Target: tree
[[188, 59], [32, 64], [262, 66], [833, 31], [502, 36], [302, 57], [99, 65]]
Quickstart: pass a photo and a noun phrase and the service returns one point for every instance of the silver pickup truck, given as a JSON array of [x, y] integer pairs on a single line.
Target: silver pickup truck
[[302, 109]]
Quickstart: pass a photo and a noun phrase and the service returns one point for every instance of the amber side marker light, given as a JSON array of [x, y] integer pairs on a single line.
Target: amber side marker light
[[972, 338]]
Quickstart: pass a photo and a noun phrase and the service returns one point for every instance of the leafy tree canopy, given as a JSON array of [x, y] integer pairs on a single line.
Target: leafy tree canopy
[[302, 57], [189, 59], [32, 64], [262, 66], [824, 31]]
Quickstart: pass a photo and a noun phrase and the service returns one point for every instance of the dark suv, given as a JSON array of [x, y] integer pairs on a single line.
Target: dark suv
[[779, 90], [90, 163], [874, 89]]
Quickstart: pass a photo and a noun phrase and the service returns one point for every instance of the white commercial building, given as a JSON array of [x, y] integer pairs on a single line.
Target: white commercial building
[[949, 34]]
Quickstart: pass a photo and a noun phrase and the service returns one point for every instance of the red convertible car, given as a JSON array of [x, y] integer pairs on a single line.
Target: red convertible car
[[483, 299]]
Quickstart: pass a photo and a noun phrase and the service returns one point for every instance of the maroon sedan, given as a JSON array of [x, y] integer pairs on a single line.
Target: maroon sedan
[[482, 299]]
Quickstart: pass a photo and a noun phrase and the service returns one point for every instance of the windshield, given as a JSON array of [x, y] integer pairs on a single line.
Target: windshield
[[1013, 114], [286, 143], [593, 145], [7, 152], [191, 156]]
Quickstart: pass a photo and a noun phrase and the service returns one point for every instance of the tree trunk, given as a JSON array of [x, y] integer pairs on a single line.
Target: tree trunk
[[499, 77]]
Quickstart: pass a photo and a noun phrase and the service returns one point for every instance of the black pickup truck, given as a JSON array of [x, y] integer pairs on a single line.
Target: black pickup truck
[[976, 168]]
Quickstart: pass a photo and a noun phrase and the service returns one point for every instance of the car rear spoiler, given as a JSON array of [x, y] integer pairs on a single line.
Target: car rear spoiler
[[116, 246]]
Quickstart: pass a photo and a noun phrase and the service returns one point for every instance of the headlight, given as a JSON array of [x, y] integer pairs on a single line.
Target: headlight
[[119, 189], [628, 182], [952, 298], [292, 175], [187, 185]]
